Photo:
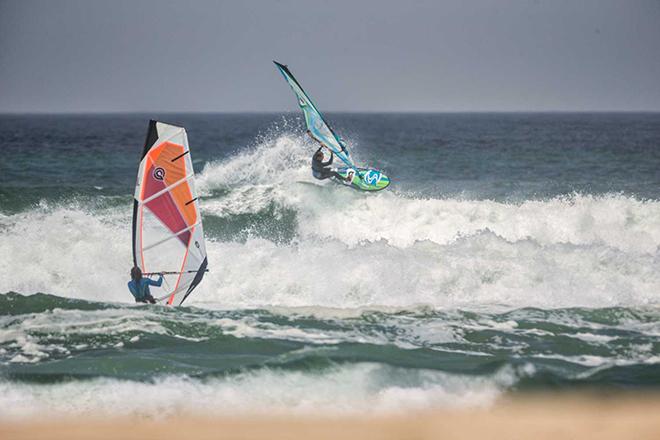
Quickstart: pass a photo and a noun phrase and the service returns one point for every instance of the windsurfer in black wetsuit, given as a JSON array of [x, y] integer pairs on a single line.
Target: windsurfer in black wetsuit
[[321, 170]]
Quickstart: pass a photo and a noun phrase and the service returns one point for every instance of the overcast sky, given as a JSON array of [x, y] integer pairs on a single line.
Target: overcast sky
[[499, 55]]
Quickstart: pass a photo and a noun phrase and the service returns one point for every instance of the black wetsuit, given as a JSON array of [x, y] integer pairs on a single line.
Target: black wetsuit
[[319, 168]]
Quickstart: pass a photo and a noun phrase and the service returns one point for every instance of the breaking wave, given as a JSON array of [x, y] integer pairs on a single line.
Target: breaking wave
[[279, 238]]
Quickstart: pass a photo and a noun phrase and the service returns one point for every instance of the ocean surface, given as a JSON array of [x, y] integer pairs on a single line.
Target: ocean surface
[[512, 253]]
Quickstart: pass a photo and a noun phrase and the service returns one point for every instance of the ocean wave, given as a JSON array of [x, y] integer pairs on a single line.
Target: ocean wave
[[276, 172], [278, 238], [78, 254], [364, 387], [62, 337]]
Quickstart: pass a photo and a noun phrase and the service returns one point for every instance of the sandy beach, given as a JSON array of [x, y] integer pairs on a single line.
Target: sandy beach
[[535, 417]]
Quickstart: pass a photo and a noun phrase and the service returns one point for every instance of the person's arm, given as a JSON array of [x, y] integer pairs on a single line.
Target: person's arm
[[325, 164], [155, 283]]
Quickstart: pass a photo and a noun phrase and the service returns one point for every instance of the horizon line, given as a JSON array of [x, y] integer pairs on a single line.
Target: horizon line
[[274, 112]]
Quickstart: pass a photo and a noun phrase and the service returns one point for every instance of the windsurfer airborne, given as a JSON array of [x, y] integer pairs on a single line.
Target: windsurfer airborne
[[321, 170]]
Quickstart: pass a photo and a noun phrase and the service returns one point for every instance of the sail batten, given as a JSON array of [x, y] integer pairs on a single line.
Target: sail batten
[[166, 189], [174, 235], [167, 226]]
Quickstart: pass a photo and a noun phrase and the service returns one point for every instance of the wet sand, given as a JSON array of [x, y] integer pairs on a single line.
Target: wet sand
[[531, 417]]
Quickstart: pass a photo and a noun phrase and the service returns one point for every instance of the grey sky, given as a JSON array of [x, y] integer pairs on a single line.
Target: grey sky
[[74, 56]]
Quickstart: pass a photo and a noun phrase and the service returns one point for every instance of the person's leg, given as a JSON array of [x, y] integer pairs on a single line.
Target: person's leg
[[326, 174], [348, 178], [150, 299], [337, 175], [319, 175]]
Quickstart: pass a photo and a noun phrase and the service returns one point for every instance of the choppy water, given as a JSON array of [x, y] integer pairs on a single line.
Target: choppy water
[[513, 252]]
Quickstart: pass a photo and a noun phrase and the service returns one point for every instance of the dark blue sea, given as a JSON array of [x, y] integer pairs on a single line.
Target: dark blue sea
[[511, 253]]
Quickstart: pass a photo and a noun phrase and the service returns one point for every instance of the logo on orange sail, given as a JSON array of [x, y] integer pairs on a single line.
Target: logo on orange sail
[[159, 173]]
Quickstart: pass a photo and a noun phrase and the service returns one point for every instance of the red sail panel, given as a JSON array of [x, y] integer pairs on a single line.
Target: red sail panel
[[164, 207]]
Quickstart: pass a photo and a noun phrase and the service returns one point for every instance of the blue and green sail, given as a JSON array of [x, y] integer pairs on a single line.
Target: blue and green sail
[[365, 179], [317, 126]]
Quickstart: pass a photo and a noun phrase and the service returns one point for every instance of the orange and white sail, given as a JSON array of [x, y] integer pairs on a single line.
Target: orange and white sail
[[167, 224]]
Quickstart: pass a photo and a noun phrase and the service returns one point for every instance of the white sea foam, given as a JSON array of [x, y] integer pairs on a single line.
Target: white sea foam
[[590, 337], [74, 253], [276, 161], [37, 336], [354, 250], [366, 388], [278, 170]]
